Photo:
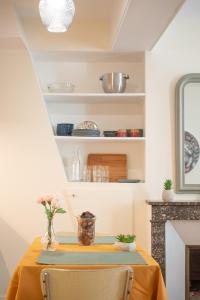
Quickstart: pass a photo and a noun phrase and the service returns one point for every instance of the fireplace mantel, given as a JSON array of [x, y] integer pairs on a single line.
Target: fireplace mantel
[[161, 213]]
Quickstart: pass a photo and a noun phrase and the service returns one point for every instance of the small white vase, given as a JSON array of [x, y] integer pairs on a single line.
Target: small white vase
[[168, 195], [125, 246]]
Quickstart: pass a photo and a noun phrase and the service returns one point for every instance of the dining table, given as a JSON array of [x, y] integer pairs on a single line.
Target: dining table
[[148, 282]]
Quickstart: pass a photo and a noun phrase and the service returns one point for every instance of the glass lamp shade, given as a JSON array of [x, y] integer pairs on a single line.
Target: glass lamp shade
[[56, 15]]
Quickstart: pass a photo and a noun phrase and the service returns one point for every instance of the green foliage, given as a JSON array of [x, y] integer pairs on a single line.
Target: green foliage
[[168, 184], [126, 238], [60, 211], [50, 212]]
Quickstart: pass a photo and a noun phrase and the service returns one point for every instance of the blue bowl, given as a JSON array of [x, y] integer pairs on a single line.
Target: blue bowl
[[64, 129]]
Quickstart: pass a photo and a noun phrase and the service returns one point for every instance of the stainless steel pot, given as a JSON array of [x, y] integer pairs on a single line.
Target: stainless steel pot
[[114, 82]]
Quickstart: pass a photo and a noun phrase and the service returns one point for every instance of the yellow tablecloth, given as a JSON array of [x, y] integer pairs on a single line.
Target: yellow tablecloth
[[25, 283]]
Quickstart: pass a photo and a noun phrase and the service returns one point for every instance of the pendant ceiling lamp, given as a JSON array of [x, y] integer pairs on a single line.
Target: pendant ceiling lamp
[[56, 15]]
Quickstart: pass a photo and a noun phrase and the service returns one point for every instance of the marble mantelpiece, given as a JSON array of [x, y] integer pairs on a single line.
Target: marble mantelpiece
[[160, 214]]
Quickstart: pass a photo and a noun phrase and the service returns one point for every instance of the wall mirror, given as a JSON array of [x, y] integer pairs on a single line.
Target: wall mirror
[[188, 134]]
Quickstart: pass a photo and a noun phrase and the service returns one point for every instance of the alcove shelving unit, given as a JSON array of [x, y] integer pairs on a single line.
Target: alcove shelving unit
[[89, 102]]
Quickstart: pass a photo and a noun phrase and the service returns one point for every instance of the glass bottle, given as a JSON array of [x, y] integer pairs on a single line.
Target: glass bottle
[[76, 166]]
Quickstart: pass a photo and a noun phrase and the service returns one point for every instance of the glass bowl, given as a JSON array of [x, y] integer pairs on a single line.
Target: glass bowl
[[61, 87]]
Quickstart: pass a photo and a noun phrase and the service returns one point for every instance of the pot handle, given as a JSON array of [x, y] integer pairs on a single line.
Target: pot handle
[[126, 76], [101, 78]]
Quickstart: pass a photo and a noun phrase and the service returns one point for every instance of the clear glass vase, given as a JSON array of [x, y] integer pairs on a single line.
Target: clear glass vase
[[48, 240], [86, 230]]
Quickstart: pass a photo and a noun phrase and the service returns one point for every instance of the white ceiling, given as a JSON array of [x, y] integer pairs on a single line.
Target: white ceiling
[[86, 9], [92, 9], [145, 22], [104, 25], [27, 8]]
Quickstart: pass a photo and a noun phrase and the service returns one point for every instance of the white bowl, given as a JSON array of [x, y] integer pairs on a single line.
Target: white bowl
[[125, 246], [61, 87]]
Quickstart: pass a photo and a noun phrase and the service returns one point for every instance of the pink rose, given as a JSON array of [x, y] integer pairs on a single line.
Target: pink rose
[[45, 198], [53, 200]]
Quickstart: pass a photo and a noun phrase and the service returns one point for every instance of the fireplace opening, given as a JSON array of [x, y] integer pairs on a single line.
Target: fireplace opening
[[193, 272]]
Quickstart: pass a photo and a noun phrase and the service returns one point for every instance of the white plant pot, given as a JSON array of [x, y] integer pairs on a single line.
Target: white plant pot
[[125, 246], [168, 195]]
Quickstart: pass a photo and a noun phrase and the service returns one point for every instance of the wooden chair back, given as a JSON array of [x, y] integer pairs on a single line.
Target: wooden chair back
[[98, 284]]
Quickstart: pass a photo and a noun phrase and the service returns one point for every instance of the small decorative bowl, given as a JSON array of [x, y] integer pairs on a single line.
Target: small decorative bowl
[[110, 133], [64, 129], [135, 132], [125, 246], [122, 133]]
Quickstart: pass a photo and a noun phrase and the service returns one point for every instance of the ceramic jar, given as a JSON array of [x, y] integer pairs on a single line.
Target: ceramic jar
[[125, 246], [86, 230], [168, 195], [122, 133]]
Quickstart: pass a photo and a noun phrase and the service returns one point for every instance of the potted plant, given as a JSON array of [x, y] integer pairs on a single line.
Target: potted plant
[[168, 194], [125, 242]]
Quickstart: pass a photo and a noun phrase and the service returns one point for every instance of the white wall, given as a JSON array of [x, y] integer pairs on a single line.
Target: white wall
[[176, 54], [112, 205], [29, 160]]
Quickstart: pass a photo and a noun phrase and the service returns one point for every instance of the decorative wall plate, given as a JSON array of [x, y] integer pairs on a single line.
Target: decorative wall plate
[[191, 151]]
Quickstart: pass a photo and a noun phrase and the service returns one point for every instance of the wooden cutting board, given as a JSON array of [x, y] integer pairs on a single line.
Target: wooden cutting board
[[117, 164]]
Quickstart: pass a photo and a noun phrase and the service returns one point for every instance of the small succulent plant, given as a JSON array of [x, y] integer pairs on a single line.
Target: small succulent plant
[[126, 238], [168, 184]]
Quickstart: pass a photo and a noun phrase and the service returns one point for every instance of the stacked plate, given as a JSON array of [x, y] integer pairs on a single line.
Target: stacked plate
[[86, 128], [86, 132]]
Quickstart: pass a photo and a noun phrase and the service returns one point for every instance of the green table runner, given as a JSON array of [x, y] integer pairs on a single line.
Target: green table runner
[[74, 239], [90, 258]]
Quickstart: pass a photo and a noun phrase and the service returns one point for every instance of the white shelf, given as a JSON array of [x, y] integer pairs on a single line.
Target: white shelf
[[97, 139], [92, 97], [102, 185]]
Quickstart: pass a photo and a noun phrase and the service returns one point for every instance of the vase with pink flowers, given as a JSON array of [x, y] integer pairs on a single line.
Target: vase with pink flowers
[[52, 206]]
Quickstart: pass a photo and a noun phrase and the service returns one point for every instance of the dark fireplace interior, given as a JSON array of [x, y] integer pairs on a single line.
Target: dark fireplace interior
[[193, 272]]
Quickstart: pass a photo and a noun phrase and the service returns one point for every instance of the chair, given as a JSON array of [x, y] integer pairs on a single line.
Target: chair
[[98, 284]]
